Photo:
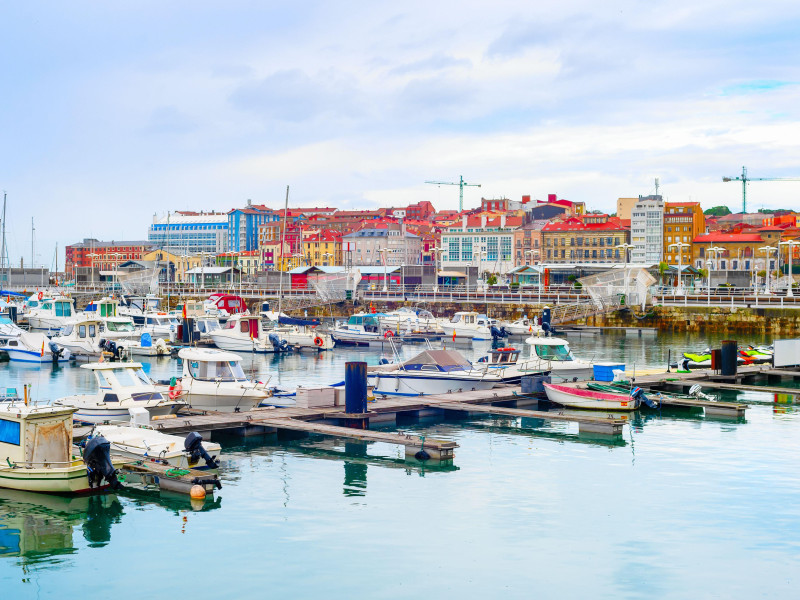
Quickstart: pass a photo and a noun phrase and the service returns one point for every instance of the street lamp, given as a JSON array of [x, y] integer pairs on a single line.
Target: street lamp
[[93, 256], [436, 251], [791, 244], [767, 250], [625, 247], [324, 261], [116, 255], [680, 246], [384, 251], [712, 250]]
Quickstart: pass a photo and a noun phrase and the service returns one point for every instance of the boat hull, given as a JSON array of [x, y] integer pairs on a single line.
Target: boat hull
[[66, 480], [407, 383], [233, 344], [589, 399], [31, 356]]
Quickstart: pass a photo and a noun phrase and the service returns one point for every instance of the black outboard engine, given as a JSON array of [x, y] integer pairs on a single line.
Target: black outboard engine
[[548, 329], [97, 456], [193, 445], [277, 343], [497, 333], [638, 394], [111, 346], [55, 351]]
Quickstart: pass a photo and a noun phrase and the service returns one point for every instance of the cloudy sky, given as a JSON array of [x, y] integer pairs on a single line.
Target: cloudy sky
[[113, 111]]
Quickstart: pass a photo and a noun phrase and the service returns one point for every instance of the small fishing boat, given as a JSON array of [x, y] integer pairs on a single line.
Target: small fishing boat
[[36, 452], [144, 443], [430, 372], [29, 347], [121, 386], [214, 380], [468, 324], [625, 387], [509, 364], [520, 327], [242, 333], [365, 330], [82, 337], [575, 397], [52, 314], [554, 355], [145, 346]]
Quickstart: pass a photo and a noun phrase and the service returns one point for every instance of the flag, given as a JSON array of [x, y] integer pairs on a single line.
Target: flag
[[42, 354], [454, 335], [184, 311]]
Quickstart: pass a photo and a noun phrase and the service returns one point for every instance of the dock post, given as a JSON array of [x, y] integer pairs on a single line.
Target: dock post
[[729, 357], [355, 389]]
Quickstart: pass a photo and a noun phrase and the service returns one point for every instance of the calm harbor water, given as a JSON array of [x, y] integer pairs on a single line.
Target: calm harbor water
[[680, 506]]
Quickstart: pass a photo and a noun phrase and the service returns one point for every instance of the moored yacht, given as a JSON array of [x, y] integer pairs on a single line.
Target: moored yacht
[[365, 329], [430, 372], [52, 314], [553, 355], [121, 386], [468, 324]]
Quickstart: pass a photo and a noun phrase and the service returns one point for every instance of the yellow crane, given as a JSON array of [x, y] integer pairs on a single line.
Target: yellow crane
[[744, 179]]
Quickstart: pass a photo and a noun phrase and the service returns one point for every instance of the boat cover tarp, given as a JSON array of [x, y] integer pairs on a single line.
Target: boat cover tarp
[[10, 293], [446, 360], [299, 322]]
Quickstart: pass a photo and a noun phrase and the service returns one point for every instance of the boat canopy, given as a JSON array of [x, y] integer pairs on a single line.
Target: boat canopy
[[208, 355], [443, 360]]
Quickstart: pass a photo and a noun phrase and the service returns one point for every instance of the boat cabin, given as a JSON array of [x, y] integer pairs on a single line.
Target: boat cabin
[[120, 325], [365, 322], [229, 303], [82, 330], [105, 307], [551, 348], [35, 436], [59, 308], [212, 365], [248, 325], [501, 356], [120, 381], [160, 320], [470, 318]]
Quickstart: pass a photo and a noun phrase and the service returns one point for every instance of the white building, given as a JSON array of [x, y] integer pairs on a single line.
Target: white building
[[190, 232], [647, 230], [481, 241], [365, 247]]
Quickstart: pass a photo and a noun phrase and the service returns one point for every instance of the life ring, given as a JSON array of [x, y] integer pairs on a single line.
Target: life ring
[[40, 295], [175, 391], [506, 349], [318, 341], [389, 333]]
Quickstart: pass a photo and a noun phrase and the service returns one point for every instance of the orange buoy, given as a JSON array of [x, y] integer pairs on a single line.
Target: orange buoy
[[197, 491]]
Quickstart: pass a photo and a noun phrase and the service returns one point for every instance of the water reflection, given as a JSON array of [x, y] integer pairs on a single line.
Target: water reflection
[[37, 527]]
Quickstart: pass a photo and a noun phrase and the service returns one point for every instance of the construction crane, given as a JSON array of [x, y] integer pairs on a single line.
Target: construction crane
[[744, 179], [461, 185]]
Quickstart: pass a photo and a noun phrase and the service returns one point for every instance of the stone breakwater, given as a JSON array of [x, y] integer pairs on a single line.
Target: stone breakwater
[[693, 319]]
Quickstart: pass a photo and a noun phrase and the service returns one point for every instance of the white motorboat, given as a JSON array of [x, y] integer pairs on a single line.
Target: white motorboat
[[300, 334], [145, 346], [215, 380], [242, 333], [137, 306], [510, 365], [430, 372], [121, 386], [365, 329], [468, 324], [405, 319], [553, 355], [520, 327], [36, 451], [52, 314], [29, 347], [160, 325], [81, 338], [141, 442]]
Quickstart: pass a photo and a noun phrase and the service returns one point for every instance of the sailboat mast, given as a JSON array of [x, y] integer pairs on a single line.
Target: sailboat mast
[[283, 241], [33, 231], [3, 243]]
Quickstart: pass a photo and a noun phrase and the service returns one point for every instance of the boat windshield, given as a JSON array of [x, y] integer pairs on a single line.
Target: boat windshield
[[132, 377], [225, 370], [560, 352], [119, 326], [207, 326]]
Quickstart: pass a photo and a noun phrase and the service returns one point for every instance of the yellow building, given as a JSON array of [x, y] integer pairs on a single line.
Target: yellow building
[[323, 249], [683, 222], [182, 262], [625, 207]]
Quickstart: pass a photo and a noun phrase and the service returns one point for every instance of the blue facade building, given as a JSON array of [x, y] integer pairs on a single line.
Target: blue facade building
[[190, 232]]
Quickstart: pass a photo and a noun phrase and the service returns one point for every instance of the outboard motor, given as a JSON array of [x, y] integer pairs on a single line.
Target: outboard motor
[[637, 393], [279, 344], [55, 352], [548, 329], [384, 361], [97, 456], [193, 446], [497, 333]]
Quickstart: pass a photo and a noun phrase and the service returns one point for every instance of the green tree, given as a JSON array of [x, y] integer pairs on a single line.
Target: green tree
[[717, 211], [662, 270]]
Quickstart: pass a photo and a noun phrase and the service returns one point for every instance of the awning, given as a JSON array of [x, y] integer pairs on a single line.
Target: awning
[[451, 274]]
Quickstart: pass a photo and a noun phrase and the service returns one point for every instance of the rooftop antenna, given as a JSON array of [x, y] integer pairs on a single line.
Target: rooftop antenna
[[657, 186], [461, 185]]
